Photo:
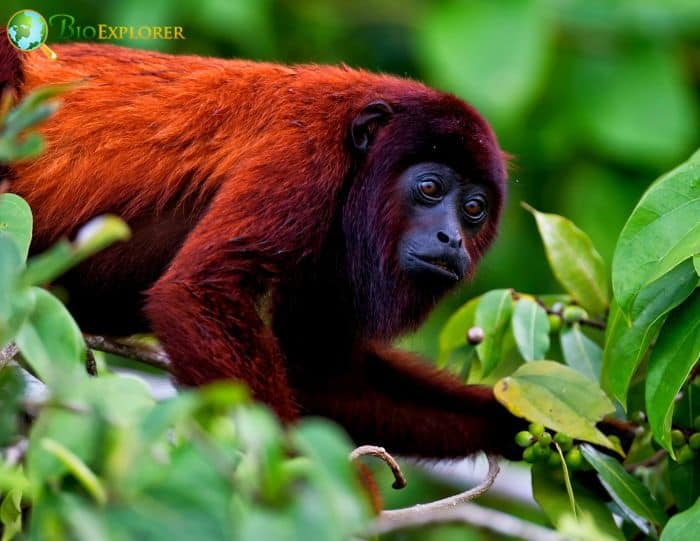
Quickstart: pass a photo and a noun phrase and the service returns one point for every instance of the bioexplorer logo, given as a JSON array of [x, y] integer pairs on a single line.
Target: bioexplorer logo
[[27, 31], [67, 29]]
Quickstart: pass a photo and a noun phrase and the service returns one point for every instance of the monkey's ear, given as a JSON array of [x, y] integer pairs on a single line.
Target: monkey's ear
[[367, 123]]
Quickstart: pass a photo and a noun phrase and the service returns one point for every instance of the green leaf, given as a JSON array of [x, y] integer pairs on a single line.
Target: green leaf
[[17, 302], [626, 345], [35, 101], [684, 482], [662, 232], [490, 53], [684, 526], [78, 468], [580, 352], [12, 386], [530, 329], [696, 264], [17, 122], [574, 261], [688, 407], [51, 342], [557, 397], [627, 491], [92, 237], [549, 492], [492, 315], [11, 514], [676, 352], [99, 233], [454, 333], [16, 221]]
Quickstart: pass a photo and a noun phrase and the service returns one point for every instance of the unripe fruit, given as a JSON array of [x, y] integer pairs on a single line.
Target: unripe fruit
[[475, 335], [694, 441], [677, 438], [564, 441], [638, 417], [554, 460], [545, 439], [554, 323], [696, 423], [574, 458], [536, 429], [529, 455], [684, 455], [572, 314], [542, 454], [524, 438]]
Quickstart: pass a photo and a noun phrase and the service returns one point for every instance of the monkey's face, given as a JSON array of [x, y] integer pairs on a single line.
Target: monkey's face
[[443, 212], [420, 211]]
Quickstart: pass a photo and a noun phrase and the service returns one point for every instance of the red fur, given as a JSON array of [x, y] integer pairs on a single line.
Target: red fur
[[242, 190]]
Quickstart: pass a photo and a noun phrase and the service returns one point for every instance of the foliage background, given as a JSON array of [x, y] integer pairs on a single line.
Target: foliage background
[[593, 98]]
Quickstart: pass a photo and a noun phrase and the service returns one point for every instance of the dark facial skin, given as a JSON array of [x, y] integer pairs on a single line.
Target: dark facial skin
[[443, 211]]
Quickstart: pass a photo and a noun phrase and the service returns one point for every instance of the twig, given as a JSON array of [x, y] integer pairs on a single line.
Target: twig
[[90, 363], [473, 515], [396, 518], [380, 452], [7, 354], [653, 460], [147, 355]]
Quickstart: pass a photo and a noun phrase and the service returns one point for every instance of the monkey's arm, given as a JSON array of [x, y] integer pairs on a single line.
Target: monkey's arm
[[393, 399], [261, 223]]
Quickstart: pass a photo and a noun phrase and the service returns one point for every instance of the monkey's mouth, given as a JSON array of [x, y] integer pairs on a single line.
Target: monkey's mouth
[[442, 266]]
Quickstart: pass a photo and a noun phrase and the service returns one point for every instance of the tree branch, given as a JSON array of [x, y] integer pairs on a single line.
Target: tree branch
[[152, 356], [397, 517], [472, 515], [380, 452], [7, 354]]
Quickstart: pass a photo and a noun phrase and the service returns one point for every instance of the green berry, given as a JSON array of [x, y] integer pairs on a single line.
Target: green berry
[[694, 441], [574, 458], [638, 417], [536, 429], [554, 322], [564, 441], [554, 461], [542, 454], [572, 314], [524, 438], [545, 439], [696, 423], [685, 454], [677, 438], [529, 455]]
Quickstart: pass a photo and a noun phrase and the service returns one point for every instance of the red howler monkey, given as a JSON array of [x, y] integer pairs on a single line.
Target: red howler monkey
[[288, 223]]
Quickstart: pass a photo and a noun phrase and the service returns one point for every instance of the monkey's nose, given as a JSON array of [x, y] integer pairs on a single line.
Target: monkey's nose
[[453, 241]]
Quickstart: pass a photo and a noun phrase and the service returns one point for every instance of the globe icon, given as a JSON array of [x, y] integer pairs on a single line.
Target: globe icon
[[27, 30]]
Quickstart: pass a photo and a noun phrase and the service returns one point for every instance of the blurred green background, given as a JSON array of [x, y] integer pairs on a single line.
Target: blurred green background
[[593, 98]]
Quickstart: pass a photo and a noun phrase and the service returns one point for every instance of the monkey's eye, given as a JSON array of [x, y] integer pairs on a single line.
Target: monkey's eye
[[430, 188], [475, 209]]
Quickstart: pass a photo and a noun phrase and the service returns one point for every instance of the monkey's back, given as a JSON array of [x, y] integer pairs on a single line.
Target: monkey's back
[[145, 132]]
